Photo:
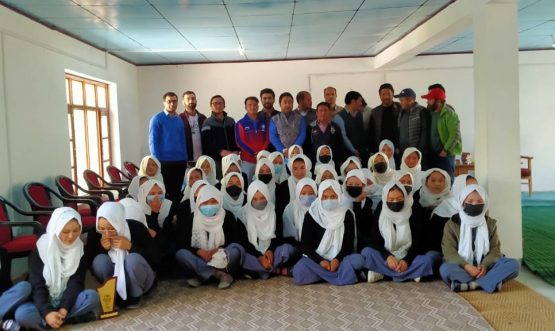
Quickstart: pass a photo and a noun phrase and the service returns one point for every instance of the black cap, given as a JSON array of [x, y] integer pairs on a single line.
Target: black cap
[[407, 92]]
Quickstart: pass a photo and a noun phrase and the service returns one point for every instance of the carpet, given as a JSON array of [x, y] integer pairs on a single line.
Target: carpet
[[516, 307], [277, 304], [538, 232]]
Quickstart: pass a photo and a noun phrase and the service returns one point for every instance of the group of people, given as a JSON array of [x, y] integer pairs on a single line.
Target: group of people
[[299, 211]]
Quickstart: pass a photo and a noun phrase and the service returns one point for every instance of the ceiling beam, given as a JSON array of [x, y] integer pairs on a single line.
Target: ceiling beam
[[452, 20]]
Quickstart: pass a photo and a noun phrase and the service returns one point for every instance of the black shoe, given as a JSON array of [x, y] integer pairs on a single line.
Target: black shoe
[[86, 318], [133, 303]]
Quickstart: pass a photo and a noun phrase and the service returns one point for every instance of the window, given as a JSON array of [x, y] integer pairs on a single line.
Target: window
[[88, 116]]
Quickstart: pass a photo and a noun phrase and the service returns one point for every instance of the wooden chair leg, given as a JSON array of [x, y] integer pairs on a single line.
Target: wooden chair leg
[[529, 187]]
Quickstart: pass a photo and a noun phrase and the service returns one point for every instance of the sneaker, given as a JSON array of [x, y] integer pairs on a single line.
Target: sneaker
[[473, 285], [225, 279], [193, 282], [374, 276], [499, 286], [417, 279], [459, 287], [133, 303], [10, 325]]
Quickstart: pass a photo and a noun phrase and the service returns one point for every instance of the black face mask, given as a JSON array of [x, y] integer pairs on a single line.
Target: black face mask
[[396, 206], [380, 167], [354, 191], [325, 158], [473, 210], [265, 178], [233, 190], [408, 188]]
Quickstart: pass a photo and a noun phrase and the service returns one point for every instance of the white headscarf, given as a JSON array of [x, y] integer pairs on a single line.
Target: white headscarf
[[400, 174], [208, 232], [144, 164], [187, 191], [347, 200], [450, 205], [318, 162], [133, 211], [235, 206], [398, 238], [381, 179], [260, 224], [373, 191], [262, 155], [292, 147], [272, 184], [415, 171], [292, 181], [228, 165], [194, 189], [133, 188], [321, 170], [144, 190], [391, 160], [429, 199], [331, 220], [60, 261], [282, 177], [229, 159], [211, 177], [481, 242], [114, 213], [293, 215], [345, 164]]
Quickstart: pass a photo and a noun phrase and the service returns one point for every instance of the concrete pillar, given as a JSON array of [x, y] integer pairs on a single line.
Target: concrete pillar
[[497, 127]]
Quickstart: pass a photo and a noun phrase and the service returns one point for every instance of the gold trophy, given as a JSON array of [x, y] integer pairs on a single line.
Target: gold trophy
[[107, 293]]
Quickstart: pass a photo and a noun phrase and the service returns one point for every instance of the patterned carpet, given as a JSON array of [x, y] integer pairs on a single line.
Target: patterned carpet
[[277, 304]]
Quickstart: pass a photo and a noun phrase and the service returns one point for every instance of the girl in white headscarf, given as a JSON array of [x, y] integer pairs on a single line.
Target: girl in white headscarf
[[293, 215], [134, 211], [207, 231], [123, 249], [396, 239], [327, 241], [155, 206], [324, 155], [354, 198], [192, 175], [233, 166], [323, 172], [265, 172], [57, 270], [388, 148], [299, 166], [372, 190], [260, 239], [278, 161], [294, 150], [471, 247], [150, 167], [263, 154], [450, 205], [233, 194], [208, 166], [350, 163], [412, 162], [436, 187], [228, 159], [379, 166]]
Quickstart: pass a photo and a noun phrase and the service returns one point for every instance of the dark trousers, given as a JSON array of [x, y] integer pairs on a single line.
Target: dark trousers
[[174, 173], [445, 163]]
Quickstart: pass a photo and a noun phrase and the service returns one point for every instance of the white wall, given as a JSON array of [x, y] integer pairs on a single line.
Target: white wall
[[34, 139], [235, 81]]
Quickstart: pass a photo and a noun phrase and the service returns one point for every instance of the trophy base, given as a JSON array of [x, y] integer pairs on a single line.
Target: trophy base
[[109, 315]]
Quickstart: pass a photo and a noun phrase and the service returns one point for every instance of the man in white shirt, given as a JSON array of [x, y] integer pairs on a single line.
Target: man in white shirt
[[193, 120]]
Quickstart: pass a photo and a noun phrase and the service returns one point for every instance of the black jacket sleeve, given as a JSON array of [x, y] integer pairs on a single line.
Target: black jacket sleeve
[[310, 238]]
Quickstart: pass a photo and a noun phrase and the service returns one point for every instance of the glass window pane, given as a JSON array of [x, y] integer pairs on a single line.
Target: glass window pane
[[105, 149], [67, 91], [69, 125], [101, 95], [105, 164], [104, 126], [77, 90], [89, 95], [94, 157], [80, 143], [71, 153]]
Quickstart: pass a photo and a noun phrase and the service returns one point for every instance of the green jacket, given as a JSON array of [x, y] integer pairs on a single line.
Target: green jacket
[[451, 237], [448, 127]]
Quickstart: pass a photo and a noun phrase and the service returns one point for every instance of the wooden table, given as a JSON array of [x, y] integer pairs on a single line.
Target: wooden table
[[463, 168]]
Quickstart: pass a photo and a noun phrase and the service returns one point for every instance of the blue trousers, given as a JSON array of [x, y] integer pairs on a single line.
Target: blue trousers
[[29, 317], [444, 163], [139, 276], [307, 271], [14, 297], [193, 265], [503, 270], [282, 255], [421, 266]]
